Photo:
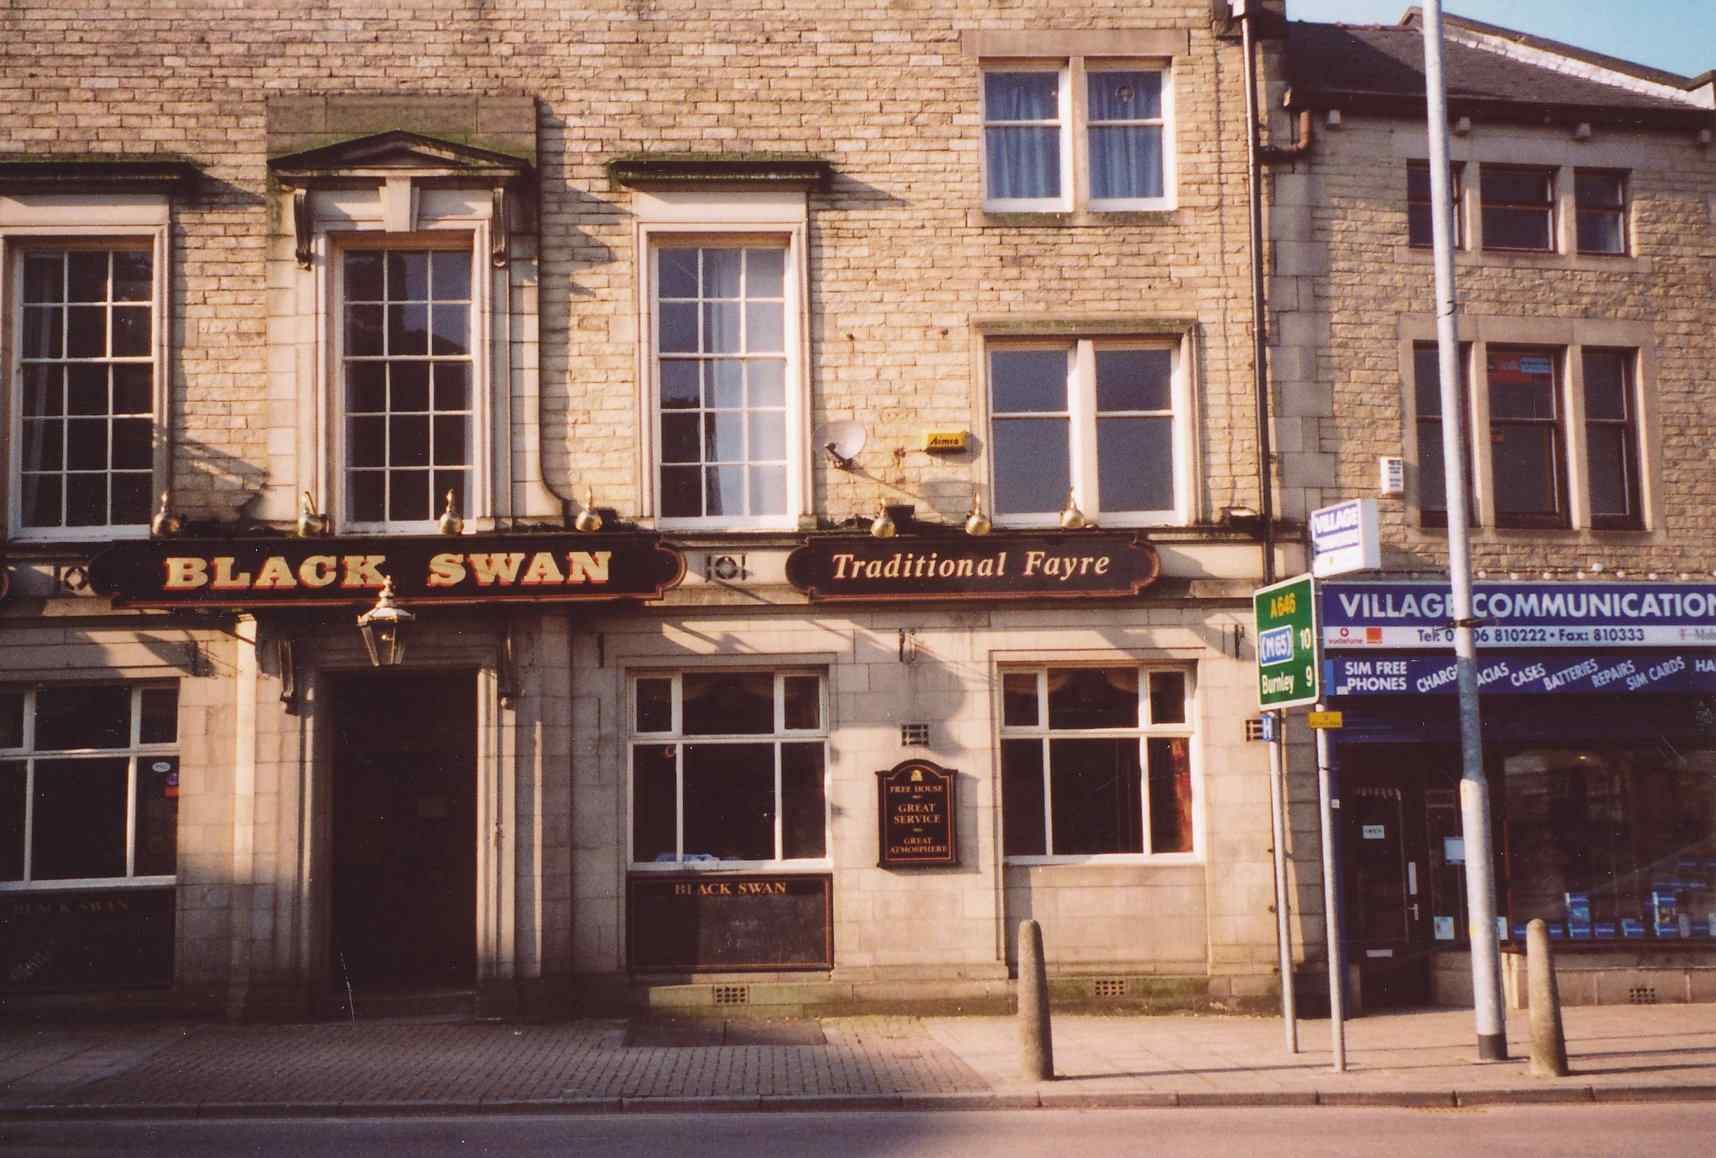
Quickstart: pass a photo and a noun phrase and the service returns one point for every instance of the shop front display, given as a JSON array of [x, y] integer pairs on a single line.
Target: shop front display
[[1598, 704]]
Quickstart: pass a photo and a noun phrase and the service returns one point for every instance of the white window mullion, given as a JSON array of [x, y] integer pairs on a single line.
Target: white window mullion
[[1145, 839], [780, 848], [29, 816], [679, 802], [1048, 798], [1081, 407], [131, 816]]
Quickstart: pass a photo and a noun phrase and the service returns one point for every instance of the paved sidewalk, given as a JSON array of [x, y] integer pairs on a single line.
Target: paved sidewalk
[[1633, 1053]]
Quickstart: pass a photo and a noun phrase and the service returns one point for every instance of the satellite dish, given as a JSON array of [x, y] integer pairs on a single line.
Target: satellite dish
[[843, 441]]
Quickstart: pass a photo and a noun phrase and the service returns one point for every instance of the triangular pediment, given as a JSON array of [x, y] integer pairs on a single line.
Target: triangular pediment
[[396, 152]]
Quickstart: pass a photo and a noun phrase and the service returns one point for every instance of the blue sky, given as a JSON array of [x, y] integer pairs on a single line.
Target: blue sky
[[1679, 35]]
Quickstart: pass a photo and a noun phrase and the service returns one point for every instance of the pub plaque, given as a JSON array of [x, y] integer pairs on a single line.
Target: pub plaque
[[916, 805], [278, 572], [1005, 565]]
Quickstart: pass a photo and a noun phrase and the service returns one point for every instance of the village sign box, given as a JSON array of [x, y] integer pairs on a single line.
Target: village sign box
[[542, 568], [1001, 566]]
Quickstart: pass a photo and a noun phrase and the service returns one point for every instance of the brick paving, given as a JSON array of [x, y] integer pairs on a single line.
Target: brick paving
[[850, 1063]]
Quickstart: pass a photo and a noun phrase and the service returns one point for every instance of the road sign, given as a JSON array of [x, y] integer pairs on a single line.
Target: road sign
[[1323, 719], [1286, 619]]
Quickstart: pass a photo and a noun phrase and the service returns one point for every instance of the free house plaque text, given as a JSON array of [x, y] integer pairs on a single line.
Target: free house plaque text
[[916, 803]]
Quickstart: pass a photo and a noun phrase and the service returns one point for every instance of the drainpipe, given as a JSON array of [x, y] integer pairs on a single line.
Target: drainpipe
[[1246, 11]]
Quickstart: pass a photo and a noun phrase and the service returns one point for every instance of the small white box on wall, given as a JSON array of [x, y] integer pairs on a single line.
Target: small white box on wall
[[1391, 476]]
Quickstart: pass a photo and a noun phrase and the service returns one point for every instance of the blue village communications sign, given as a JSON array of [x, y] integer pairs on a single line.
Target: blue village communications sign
[[1358, 616], [1352, 675]]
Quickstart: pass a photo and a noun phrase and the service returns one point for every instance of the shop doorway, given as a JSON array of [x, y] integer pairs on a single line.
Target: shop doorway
[[404, 830], [1386, 870]]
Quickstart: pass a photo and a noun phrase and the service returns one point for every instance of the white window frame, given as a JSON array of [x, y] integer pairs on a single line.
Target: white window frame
[[1145, 731], [38, 222], [370, 219], [716, 219], [1062, 125], [677, 737], [1166, 121], [479, 432], [1074, 125], [1083, 466], [134, 752]]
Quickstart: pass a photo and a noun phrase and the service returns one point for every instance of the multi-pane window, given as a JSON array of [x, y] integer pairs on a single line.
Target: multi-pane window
[[729, 768], [722, 381], [1096, 761], [1600, 211], [1419, 231], [1086, 421], [89, 784], [1427, 391], [1611, 439], [86, 371], [1528, 481], [407, 383], [1124, 110], [1518, 207], [1035, 135], [1024, 114]]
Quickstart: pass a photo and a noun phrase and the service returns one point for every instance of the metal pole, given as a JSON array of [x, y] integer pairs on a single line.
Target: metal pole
[[1278, 828], [1474, 788], [1331, 908]]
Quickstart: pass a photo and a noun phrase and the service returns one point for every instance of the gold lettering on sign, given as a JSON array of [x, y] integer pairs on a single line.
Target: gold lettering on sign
[[224, 579], [542, 571], [274, 574], [185, 573], [318, 570], [587, 566], [363, 571], [446, 570], [497, 567]]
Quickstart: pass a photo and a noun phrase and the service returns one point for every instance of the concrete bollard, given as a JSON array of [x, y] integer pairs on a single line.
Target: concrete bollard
[[1548, 1043], [1036, 1045]]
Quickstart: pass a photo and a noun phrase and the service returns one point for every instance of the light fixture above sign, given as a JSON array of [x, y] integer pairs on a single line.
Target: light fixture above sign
[[383, 629]]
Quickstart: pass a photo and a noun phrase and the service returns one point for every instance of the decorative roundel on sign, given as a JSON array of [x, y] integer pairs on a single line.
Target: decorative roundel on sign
[[161, 766]]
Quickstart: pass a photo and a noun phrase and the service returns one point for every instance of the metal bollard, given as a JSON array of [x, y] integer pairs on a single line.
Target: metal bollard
[[1036, 1047], [1548, 1043]]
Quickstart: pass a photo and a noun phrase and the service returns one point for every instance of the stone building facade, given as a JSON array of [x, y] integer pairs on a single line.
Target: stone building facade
[[710, 279], [1585, 206]]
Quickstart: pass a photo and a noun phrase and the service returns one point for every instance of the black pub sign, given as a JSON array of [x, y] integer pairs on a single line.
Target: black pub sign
[[532, 568], [916, 806], [1068, 564], [721, 922]]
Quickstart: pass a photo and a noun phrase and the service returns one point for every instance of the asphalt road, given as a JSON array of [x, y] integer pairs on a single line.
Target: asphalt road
[[1661, 1130]]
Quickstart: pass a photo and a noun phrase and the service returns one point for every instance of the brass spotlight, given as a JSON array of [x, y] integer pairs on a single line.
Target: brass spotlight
[[1071, 517], [588, 521], [450, 523], [976, 522], [882, 526]]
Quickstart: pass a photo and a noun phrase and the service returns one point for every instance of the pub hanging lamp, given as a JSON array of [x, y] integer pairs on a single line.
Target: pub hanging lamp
[[383, 629]]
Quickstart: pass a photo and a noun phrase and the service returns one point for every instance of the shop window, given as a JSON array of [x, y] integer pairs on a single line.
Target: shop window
[[1518, 207], [1032, 145], [87, 367], [1600, 211], [406, 371], [1418, 227], [729, 769], [1101, 422], [1612, 843], [1096, 762], [725, 381], [89, 785]]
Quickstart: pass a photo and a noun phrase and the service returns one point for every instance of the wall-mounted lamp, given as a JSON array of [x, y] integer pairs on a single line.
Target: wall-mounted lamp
[[976, 522], [165, 524], [1071, 517], [383, 629], [835, 459], [882, 526], [588, 521], [311, 522], [450, 523]]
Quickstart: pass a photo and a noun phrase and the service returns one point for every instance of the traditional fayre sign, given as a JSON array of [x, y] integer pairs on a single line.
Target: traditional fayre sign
[[1560, 674], [916, 809], [783, 921], [1000, 566], [424, 569], [1521, 615]]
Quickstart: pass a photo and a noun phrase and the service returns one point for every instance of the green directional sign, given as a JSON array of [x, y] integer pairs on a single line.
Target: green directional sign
[[1286, 618]]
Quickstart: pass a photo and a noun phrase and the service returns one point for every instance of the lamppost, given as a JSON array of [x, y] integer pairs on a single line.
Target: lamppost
[[383, 629]]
